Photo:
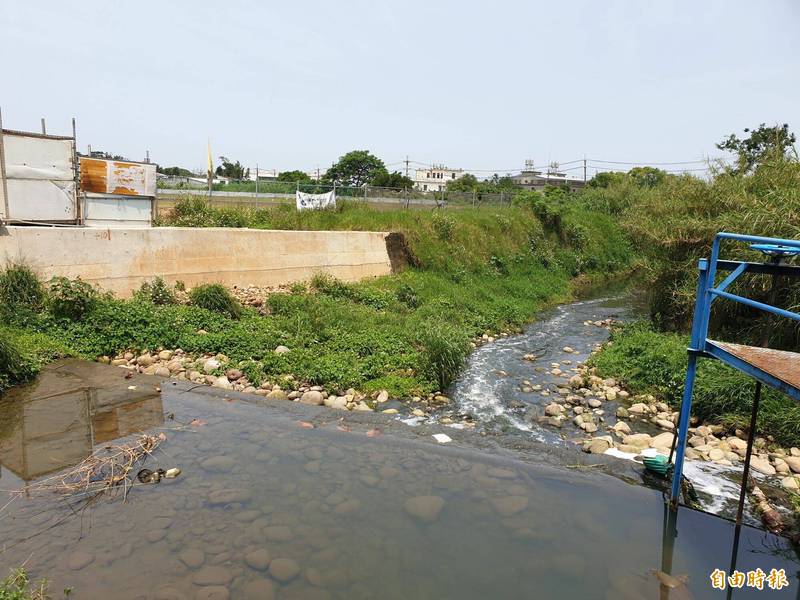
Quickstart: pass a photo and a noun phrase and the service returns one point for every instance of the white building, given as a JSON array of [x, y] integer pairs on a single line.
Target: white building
[[435, 178]]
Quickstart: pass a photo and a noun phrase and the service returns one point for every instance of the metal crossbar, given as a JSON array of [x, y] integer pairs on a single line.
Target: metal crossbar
[[777, 369]]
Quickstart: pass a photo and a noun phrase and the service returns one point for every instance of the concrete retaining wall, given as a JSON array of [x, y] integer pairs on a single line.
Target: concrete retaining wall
[[120, 260]]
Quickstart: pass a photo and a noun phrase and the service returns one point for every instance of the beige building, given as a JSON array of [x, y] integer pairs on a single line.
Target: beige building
[[435, 178], [531, 179]]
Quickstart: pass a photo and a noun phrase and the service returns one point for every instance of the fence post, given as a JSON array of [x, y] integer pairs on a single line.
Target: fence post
[[365, 192]]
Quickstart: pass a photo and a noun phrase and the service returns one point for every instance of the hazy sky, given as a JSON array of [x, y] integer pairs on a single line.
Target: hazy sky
[[473, 85]]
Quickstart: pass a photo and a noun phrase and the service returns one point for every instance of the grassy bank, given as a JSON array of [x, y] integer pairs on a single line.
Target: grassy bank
[[649, 362], [477, 270]]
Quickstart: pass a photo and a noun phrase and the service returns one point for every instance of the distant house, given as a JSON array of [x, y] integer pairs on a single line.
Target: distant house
[[435, 178], [531, 179]]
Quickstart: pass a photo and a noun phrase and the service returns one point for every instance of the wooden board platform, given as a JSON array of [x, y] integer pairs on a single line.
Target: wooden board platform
[[782, 365]]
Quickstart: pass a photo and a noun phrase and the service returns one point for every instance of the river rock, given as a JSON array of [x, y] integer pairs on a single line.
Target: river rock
[[598, 446], [218, 464], [165, 355], [258, 559], [222, 383], [260, 589], [281, 350], [192, 557], [79, 559], [576, 381], [762, 465], [424, 508], [594, 403], [382, 397], [213, 575], [278, 533], [312, 397], [214, 592], [716, 454], [145, 360], [284, 569], [277, 395], [790, 483], [640, 440], [552, 409], [211, 365], [622, 412], [793, 462], [339, 402], [621, 428], [638, 409], [233, 374], [665, 424], [662, 440], [228, 496], [162, 372], [508, 506]]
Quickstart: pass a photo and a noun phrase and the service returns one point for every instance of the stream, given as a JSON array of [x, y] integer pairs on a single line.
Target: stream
[[506, 393]]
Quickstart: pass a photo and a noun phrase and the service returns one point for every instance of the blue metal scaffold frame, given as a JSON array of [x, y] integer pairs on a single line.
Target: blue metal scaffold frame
[[777, 369]]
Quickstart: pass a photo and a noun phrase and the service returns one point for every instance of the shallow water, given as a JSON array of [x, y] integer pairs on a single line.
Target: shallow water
[[333, 499]]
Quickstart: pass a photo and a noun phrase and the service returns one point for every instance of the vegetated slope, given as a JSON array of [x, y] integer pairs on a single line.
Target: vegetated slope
[[671, 225], [482, 269]]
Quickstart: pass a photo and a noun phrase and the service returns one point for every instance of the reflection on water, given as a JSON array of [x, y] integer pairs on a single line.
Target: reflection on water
[[267, 507], [55, 422]]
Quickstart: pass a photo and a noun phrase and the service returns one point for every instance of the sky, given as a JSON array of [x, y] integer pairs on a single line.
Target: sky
[[480, 86]]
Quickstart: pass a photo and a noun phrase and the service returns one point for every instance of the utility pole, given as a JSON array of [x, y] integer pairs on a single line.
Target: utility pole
[[584, 168], [406, 165], [44, 129], [256, 179]]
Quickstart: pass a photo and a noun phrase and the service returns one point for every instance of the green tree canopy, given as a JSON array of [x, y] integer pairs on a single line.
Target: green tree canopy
[[763, 143], [394, 179], [294, 176], [647, 176], [355, 168], [232, 170], [175, 171], [605, 179]]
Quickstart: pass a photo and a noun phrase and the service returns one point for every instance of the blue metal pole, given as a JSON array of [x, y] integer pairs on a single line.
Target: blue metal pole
[[683, 427]]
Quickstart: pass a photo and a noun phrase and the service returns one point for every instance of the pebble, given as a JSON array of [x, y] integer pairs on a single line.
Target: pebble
[[218, 464], [214, 592], [278, 533], [79, 559], [260, 589], [284, 569], [508, 506], [424, 508], [258, 559], [762, 465], [312, 397], [193, 558], [213, 575]]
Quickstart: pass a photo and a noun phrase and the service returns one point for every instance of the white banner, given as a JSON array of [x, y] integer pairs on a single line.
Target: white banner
[[314, 201]]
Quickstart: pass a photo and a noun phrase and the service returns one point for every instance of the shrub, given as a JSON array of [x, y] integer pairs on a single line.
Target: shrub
[[20, 288], [13, 367], [157, 292], [445, 348], [408, 296], [71, 299], [215, 297], [444, 225]]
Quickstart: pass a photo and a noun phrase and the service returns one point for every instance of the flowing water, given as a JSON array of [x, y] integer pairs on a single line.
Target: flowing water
[[278, 500], [506, 394]]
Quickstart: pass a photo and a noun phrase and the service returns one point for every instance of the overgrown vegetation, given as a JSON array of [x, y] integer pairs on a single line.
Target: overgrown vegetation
[[671, 221], [479, 271], [649, 362], [18, 586]]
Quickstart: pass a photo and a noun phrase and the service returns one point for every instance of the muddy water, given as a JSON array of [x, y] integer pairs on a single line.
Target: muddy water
[[268, 507]]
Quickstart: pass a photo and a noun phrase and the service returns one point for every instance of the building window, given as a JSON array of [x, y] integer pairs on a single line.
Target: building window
[[452, 175], [425, 188]]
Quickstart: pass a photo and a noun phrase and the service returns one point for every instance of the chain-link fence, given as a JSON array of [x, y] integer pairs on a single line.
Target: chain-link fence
[[261, 194]]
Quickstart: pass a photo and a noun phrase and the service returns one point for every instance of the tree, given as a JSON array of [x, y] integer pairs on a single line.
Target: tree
[[764, 143], [105, 155], [647, 176], [232, 170], [605, 179], [465, 183], [175, 171], [294, 176], [355, 168], [392, 180]]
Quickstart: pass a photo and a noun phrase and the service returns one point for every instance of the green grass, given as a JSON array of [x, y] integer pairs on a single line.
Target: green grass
[[478, 270], [18, 586], [649, 362]]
